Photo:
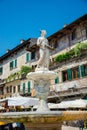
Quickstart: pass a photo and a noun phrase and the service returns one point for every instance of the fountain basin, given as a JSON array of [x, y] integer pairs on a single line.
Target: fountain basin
[[42, 74], [47, 121]]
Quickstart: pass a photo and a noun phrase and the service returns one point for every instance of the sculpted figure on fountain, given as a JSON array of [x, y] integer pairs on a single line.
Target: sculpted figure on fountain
[[44, 51]]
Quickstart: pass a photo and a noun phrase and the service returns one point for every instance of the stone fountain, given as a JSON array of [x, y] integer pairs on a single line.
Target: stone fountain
[[43, 118]]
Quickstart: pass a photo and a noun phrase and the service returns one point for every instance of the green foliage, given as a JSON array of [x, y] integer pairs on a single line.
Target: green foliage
[[79, 48], [72, 53], [25, 70]]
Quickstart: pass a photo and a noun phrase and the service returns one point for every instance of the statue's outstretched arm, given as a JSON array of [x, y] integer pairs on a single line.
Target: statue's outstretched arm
[[49, 47]]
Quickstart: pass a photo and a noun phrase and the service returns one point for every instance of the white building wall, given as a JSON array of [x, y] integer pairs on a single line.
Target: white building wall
[[21, 60]]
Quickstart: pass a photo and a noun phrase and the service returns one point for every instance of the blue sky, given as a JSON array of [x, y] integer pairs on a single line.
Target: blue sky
[[23, 19]]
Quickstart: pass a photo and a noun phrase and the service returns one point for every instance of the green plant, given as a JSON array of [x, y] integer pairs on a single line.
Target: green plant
[[76, 51], [25, 70], [79, 47]]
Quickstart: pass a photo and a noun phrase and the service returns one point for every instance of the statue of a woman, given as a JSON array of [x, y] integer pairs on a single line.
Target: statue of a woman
[[44, 51]]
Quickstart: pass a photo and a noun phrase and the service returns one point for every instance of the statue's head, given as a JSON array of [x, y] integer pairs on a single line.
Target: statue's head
[[43, 32]]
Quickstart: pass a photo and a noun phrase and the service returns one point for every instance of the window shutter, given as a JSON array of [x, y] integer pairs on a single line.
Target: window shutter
[[27, 57], [79, 71], [23, 87], [29, 86], [56, 80], [11, 65], [82, 70], [69, 74], [1, 70], [15, 63]]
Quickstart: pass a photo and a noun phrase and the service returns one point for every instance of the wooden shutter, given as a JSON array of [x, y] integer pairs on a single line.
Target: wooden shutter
[[82, 70], [23, 87], [69, 74], [56, 80], [27, 57], [28, 86]]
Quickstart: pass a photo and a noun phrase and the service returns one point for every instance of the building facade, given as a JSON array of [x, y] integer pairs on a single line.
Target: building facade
[[67, 59]]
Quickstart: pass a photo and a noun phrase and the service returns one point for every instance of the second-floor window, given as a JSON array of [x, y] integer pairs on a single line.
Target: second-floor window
[[32, 55], [13, 64], [74, 73], [74, 35], [1, 70]]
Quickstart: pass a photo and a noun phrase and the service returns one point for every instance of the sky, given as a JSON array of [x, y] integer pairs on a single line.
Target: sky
[[23, 19]]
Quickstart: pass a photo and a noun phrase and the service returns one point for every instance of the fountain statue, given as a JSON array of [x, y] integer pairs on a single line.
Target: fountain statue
[[44, 59], [42, 76]]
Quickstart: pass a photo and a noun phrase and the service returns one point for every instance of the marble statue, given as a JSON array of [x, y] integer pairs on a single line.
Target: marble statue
[[44, 51]]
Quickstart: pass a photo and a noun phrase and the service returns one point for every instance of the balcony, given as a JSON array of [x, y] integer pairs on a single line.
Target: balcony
[[70, 89]]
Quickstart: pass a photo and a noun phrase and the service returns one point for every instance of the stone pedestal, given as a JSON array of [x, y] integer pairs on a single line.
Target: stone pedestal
[[41, 78]]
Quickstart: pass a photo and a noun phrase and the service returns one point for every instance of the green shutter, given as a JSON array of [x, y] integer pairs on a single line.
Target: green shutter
[[69, 74], [79, 71], [23, 87], [15, 63], [29, 86], [11, 65], [27, 57], [82, 70], [56, 80], [1, 70]]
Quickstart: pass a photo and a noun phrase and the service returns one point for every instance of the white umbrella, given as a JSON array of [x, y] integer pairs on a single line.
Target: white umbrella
[[64, 104], [50, 105], [22, 101], [78, 103]]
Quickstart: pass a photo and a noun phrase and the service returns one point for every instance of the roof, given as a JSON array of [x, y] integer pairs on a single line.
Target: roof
[[68, 27], [17, 48]]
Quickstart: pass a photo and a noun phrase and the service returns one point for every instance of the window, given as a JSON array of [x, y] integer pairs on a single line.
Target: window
[[28, 86], [32, 55], [23, 87], [14, 89], [67, 75], [7, 90], [18, 88], [75, 73], [10, 89], [64, 76], [57, 80], [74, 35], [27, 57], [82, 67], [85, 70], [1, 70], [13, 64], [81, 71], [69, 71]]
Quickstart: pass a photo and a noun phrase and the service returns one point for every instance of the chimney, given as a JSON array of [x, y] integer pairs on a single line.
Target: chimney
[[22, 41], [7, 50], [65, 25]]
